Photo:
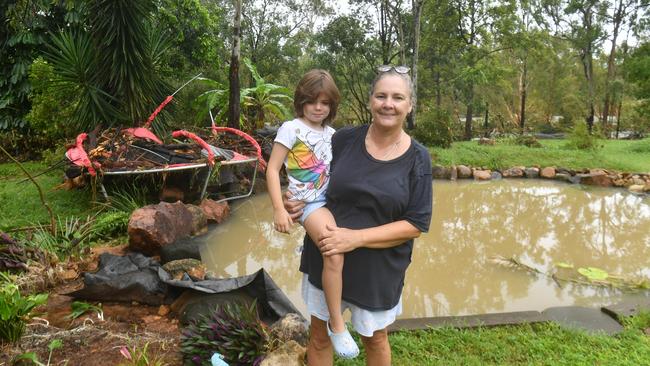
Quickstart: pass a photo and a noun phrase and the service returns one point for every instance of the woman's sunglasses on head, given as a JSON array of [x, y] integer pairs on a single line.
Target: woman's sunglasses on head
[[398, 69]]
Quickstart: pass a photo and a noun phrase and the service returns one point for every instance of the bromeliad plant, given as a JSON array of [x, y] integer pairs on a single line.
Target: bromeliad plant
[[15, 309], [234, 331]]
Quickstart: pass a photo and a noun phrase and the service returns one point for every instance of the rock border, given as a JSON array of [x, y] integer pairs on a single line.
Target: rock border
[[638, 183]]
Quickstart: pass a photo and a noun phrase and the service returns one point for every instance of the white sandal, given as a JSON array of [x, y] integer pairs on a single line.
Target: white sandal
[[344, 345]]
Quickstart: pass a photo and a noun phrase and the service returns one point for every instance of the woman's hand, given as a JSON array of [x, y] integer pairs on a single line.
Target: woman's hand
[[294, 208], [338, 240]]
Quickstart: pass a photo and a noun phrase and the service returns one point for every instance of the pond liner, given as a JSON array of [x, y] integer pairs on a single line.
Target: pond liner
[[272, 303]]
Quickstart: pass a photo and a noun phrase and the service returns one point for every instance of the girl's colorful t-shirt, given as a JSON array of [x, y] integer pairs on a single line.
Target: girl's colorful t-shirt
[[308, 160]]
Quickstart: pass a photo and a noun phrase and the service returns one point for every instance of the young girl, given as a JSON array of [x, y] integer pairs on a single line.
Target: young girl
[[303, 145]]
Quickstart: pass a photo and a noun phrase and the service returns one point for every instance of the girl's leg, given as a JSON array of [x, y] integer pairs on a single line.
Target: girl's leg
[[319, 349], [332, 268], [377, 348]]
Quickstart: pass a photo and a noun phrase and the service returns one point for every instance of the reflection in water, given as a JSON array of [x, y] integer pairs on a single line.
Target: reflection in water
[[539, 222]]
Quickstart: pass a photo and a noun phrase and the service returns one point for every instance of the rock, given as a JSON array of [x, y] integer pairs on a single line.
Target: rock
[[481, 174], [646, 188], [563, 177], [193, 267], [600, 179], [290, 327], [548, 172], [464, 172], [440, 172], [454, 173], [619, 183], [163, 310], [215, 211], [288, 354], [565, 171], [636, 188], [155, 226], [514, 172], [531, 173], [638, 181], [199, 220]]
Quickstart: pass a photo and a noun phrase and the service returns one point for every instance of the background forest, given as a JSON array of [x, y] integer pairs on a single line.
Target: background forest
[[482, 67]]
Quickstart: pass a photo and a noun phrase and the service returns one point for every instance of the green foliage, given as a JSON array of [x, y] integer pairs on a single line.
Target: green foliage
[[15, 309], [526, 140], [33, 357], [110, 224], [434, 128], [640, 146], [581, 139], [233, 330], [51, 110], [640, 321], [72, 234], [139, 357], [262, 103], [79, 308], [111, 65]]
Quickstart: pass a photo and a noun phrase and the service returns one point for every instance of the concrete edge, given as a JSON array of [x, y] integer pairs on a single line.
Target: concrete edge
[[468, 321]]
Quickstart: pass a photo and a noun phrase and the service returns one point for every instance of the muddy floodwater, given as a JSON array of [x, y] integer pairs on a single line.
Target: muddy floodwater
[[540, 223]]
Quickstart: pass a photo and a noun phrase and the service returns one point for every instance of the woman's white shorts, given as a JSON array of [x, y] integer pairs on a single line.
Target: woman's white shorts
[[365, 322]]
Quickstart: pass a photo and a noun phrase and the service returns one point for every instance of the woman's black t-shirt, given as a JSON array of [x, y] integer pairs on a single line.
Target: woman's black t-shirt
[[365, 192]]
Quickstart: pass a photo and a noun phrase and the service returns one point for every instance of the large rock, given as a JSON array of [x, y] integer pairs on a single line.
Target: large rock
[[531, 173], [182, 249], [548, 172], [514, 172], [288, 354], [215, 211], [482, 174], [599, 178], [464, 172], [290, 327], [155, 226], [192, 267], [440, 172]]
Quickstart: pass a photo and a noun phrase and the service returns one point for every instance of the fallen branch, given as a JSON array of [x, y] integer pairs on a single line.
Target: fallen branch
[[40, 191]]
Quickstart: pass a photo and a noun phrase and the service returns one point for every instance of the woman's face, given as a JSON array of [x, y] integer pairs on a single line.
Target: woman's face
[[390, 102]]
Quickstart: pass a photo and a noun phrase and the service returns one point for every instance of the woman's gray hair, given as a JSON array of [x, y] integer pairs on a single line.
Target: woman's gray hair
[[404, 76]]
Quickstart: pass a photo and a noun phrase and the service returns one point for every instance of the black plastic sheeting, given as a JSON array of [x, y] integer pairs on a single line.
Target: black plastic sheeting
[[272, 302], [135, 277]]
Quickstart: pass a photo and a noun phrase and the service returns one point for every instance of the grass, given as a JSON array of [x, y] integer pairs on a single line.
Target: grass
[[20, 204], [536, 344], [621, 155]]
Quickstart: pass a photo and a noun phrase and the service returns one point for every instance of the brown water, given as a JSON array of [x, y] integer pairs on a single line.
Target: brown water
[[538, 222]]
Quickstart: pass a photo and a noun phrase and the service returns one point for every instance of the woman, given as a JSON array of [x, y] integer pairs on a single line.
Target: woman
[[380, 196]]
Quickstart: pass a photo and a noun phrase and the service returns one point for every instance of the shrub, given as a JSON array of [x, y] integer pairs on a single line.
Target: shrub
[[527, 140], [640, 146], [233, 330], [434, 128], [109, 224], [15, 309], [581, 139]]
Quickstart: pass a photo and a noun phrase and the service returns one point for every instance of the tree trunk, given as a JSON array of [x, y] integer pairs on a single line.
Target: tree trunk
[[417, 12], [485, 122], [438, 90], [234, 101], [618, 117], [522, 93], [469, 113], [611, 64], [586, 57]]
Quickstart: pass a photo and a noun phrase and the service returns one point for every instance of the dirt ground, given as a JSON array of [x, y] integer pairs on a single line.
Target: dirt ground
[[90, 340]]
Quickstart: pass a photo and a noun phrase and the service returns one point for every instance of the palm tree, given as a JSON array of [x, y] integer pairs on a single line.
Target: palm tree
[[110, 64]]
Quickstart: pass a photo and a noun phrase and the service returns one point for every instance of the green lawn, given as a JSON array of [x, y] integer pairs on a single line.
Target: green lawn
[[537, 344], [622, 155], [20, 204]]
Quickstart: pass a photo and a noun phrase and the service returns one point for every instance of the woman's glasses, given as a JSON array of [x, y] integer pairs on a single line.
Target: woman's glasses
[[398, 69]]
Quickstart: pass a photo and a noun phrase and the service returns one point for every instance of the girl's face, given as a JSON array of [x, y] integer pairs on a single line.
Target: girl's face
[[315, 112], [390, 102]]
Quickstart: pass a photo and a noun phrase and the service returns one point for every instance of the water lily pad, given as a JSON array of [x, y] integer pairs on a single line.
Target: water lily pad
[[593, 273], [563, 265]]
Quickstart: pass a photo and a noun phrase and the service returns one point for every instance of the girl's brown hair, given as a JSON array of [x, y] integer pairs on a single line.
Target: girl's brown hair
[[313, 83]]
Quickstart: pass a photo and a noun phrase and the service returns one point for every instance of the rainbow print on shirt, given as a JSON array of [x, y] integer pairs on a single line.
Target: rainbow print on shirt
[[304, 166]]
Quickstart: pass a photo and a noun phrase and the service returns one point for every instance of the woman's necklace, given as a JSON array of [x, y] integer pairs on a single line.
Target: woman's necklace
[[392, 148]]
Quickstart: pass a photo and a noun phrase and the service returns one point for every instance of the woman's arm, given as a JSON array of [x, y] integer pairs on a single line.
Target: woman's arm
[[336, 240]]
